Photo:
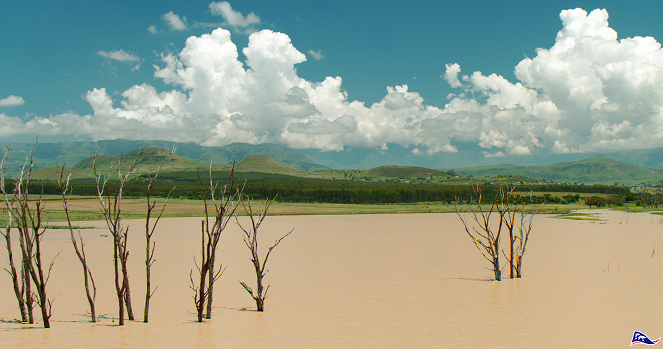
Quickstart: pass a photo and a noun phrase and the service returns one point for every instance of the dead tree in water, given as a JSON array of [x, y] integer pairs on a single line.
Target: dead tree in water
[[485, 238], [524, 229], [251, 241], [29, 226], [79, 248], [507, 209], [19, 284], [149, 231], [518, 239], [111, 209], [224, 208]]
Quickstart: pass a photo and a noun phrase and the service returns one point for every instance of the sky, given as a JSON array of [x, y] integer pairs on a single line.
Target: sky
[[512, 79]]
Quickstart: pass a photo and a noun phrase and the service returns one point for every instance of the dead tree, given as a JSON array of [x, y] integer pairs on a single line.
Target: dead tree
[[31, 232], [111, 209], [149, 232], [507, 209], [79, 248], [211, 229], [251, 241], [524, 228], [486, 238], [17, 283]]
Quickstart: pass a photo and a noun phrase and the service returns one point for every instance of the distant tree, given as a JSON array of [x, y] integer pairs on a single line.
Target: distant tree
[[615, 200], [451, 173], [597, 201]]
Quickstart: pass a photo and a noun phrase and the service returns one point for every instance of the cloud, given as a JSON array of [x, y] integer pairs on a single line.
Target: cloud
[[152, 29], [174, 21], [451, 74], [119, 55], [231, 16], [589, 92], [12, 101], [122, 56], [317, 55]]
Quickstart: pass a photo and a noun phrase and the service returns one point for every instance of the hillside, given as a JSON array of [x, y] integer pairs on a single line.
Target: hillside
[[69, 153], [588, 171], [53, 174], [147, 160], [264, 164], [402, 171]]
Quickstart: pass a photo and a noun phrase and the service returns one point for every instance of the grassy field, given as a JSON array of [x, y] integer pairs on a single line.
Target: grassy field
[[87, 209]]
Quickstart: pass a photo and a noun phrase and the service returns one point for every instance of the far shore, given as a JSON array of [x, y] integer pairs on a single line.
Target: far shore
[[87, 208]]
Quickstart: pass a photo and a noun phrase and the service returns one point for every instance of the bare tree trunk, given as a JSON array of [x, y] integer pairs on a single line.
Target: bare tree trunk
[[119, 283], [79, 248], [251, 242], [16, 282], [111, 209], [125, 277], [210, 289], [507, 210], [485, 239], [149, 244], [27, 291], [524, 229], [30, 236], [224, 209]]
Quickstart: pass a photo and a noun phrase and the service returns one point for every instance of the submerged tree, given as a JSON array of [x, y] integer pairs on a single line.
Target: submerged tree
[[251, 241], [224, 208], [524, 228], [111, 203], [487, 237], [29, 225], [149, 232], [18, 283], [79, 248], [508, 209]]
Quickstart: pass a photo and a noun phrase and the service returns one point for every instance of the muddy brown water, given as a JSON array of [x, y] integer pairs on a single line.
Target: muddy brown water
[[367, 281]]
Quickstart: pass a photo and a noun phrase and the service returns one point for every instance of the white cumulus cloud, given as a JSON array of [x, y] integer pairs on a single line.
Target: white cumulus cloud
[[174, 21], [316, 54], [589, 92], [231, 16], [119, 55], [11, 101], [451, 75]]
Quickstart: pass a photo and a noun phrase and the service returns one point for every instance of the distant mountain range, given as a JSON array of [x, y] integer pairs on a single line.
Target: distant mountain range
[[70, 153], [370, 163]]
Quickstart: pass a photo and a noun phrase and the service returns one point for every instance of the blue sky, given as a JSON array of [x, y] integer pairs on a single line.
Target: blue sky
[[77, 70]]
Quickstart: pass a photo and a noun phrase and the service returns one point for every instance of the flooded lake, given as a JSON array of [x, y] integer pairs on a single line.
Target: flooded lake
[[366, 281]]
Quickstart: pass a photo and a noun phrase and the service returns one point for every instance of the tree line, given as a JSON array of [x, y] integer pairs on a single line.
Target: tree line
[[337, 192]]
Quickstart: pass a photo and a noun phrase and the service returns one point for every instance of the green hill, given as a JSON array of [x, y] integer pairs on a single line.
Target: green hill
[[588, 171], [69, 153], [263, 164], [401, 171], [53, 174], [147, 160]]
